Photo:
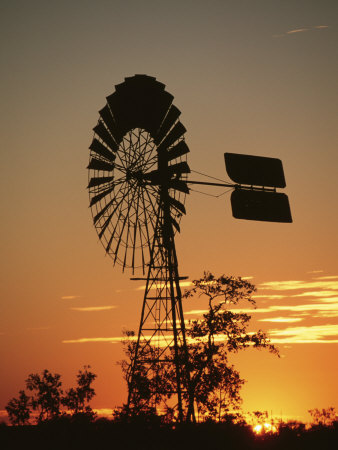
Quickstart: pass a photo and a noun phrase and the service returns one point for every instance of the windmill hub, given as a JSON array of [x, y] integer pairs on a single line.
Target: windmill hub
[[134, 174]]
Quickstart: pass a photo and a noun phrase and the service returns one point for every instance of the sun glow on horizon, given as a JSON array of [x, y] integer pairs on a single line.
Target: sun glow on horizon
[[264, 428]]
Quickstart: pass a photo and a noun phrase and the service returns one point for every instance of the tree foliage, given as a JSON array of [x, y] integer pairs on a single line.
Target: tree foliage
[[77, 399], [214, 383], [324, 417], [18, 409], [47, 397], [47, 394]]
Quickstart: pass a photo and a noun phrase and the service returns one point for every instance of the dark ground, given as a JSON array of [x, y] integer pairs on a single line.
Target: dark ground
[[102, 434]]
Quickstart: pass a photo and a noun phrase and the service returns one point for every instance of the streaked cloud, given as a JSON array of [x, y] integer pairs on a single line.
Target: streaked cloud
[[325, 314], [292, 335], [160, 340], [92, 308], [330, 277], [316, 271], [323, 334], [281, 319], [305, 307], [320, 293], [70, 297], [317, 283], [325, 308], [298, 30], [196, 312], [110, 340], [329, 299], [302, 30]]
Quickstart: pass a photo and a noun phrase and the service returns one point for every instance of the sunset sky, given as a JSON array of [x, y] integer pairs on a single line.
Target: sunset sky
[[250, 76]]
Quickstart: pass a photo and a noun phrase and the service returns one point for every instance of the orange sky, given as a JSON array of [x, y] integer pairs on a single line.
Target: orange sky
[[249, 77]]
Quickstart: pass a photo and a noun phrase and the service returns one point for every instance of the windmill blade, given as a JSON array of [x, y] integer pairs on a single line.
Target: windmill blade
[[104, 134], [103, 210], [174, 134], [97, 164], [108, 119], [144, 79], [177, 204], [178, 150], [168, 122], [100, 196], [101, 150], [178, 168], [97, 181], [179, 185]]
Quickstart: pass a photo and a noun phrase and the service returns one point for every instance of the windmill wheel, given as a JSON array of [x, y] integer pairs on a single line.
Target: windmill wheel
[[138, 152]]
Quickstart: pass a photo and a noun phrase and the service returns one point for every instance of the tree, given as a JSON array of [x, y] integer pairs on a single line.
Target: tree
[[77, 399], [324, 417], [47, 397], [214, 384], [18, 409]]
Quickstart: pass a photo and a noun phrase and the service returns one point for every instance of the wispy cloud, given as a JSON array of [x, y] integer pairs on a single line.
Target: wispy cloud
[[92, 308], [289, 285], [161, 341], [326, 309], [320, 294], [298, 30], [330, 277], [323, 334], [281, 319], [110, 340], [302, 30], [70, 297], [196, 312]]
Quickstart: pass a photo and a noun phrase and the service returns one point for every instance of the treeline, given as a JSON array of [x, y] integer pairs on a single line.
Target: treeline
[[46, 416], [148, 432]]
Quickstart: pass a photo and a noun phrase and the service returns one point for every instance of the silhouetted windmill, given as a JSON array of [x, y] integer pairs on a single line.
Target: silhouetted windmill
[[137, 187]]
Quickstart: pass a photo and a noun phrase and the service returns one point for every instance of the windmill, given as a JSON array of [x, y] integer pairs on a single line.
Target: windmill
[[137, 187]]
